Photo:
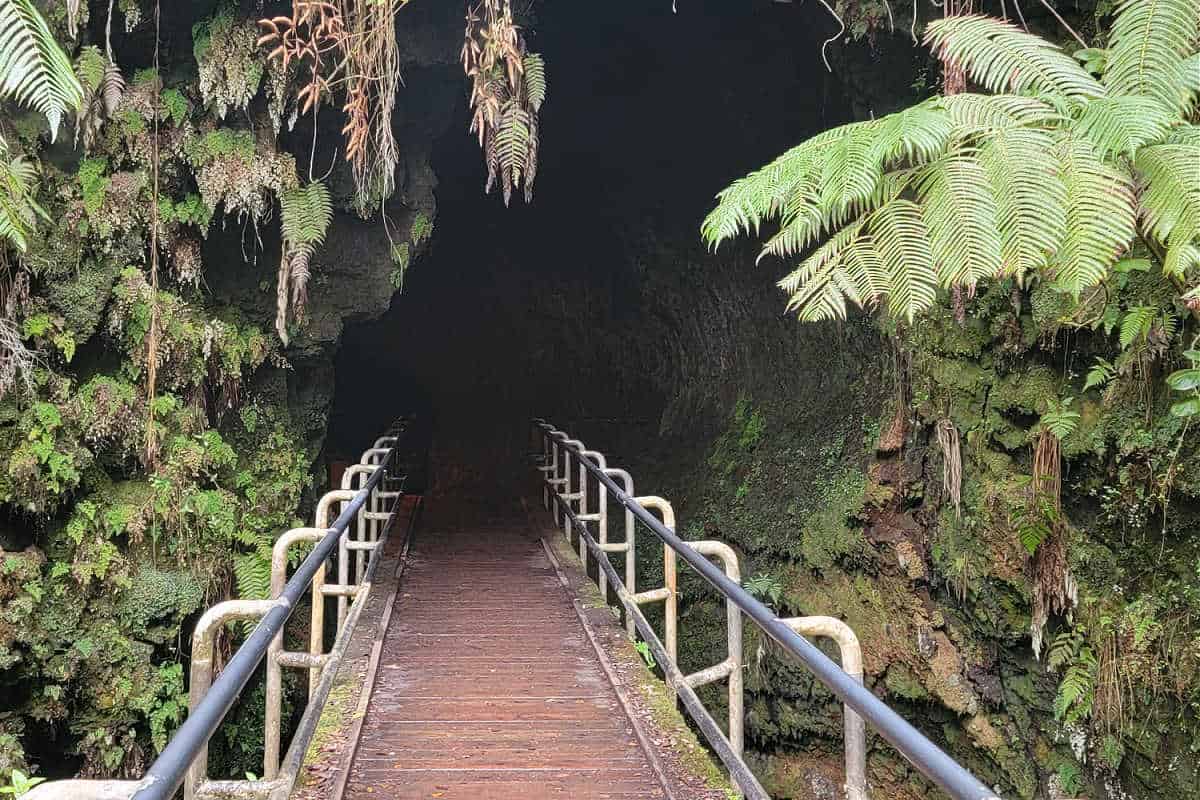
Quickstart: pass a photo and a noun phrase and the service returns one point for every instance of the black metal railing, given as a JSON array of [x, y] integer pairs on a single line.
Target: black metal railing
[[929, 759]]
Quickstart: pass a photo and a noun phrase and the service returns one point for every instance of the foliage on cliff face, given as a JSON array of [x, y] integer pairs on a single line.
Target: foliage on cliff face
[[106, 552], [1029, 511]]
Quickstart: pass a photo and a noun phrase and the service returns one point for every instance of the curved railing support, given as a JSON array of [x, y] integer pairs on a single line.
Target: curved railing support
[[847, 685], [855, 729]]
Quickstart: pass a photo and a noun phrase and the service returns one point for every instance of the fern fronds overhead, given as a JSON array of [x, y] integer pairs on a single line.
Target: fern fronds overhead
[[1052, 178], [535, 80], [34, 71], [959, 211], [508, 88], [1146, 56], [1170, 199], [1120, 124], [1003, 58], [103, 87]]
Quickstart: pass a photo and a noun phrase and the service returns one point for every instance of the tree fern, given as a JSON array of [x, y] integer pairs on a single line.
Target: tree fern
[[1146, 56], [1053, 178], [34, 71], [1004, 58]]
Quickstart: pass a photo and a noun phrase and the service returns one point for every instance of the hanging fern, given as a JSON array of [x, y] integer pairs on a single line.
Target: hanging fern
[[972, 187], [34, 71], [508, 89], [103, 87], [19, 212], [305, 214]]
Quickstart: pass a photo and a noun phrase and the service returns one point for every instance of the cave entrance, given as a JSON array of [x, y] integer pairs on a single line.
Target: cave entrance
[[555, 307]]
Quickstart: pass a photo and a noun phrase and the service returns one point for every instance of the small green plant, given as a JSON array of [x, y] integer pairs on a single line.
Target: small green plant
[[1188, 382], [1070, 780], [1060, 419], [422, 228], [19, 783], [765, 588], [643, 650]]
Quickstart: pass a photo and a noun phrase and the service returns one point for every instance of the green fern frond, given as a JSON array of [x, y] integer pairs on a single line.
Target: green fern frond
[[960, 215], [1004, 58], [914, 136], [1022, 170], [1136, 324], [899, 234], [512, 146], [1171, 192], [34, 71], [535, 80], [89, 67], [814, 293], [305, 214], [979, 113], [253, 574], [1146, 56], [1100, 215], [1120, 124], [850, 169], [760, 196], [19, 212]]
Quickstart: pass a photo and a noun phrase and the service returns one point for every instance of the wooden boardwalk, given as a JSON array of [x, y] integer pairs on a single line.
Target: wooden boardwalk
[[488, 685]]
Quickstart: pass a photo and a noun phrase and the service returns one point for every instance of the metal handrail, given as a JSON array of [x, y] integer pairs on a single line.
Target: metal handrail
[[929, 759], [166, 774], [184, 760]]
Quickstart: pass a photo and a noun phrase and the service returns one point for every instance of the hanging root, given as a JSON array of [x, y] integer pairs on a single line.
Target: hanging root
[[947, 438], [1047, 468], [17, 362]]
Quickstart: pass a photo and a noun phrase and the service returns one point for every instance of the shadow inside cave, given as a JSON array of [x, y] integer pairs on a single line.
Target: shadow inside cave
[[582, 306]]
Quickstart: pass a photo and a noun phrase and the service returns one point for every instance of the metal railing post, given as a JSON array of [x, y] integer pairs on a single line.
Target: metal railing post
[[731, 667], [316, 637], [855, 729], [629, 546], [273, 721], [203, 644], [600, 517], [668, 593]]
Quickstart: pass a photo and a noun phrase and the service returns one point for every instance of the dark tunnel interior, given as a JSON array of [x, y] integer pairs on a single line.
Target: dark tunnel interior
[[541, 309]]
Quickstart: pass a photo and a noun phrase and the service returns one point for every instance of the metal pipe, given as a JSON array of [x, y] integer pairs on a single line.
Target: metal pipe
[[601, 511], [272, 723], [167, 772], [854, 726], [669, 595], [732, 666], [203, 641], [316, 633], [929, 759], [630, 548], [741, 775]]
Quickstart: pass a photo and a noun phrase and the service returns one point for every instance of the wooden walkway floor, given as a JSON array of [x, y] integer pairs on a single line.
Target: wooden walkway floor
[[488, 686]]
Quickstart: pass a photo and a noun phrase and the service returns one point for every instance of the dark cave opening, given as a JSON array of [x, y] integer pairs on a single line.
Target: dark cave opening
[[547, 308]]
